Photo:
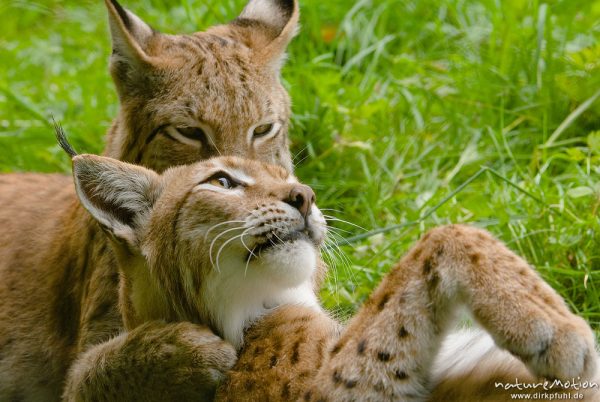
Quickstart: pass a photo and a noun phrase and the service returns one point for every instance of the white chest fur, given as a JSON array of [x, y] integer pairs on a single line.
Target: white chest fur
[[236, 295]]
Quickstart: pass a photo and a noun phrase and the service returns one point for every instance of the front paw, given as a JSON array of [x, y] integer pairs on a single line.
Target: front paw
[[153, 362], [567, 353], [189, 359], [209, 356]]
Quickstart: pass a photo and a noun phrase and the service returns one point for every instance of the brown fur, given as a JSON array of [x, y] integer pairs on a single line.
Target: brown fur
[[168, 267], [387, 351], [60, 280], [225, 81], [59, 283]]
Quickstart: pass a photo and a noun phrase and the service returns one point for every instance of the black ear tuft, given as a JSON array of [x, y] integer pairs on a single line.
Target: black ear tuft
[[287, 7], [122, 13], [280, 17], [130, 35], [61, 137], [276, 14]]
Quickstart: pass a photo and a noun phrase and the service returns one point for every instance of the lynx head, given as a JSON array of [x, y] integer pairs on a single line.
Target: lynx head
[[219, 242], [186, 98]]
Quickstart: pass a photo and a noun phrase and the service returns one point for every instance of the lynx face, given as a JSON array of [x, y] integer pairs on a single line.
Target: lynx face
[[186, 98], [220, 242]]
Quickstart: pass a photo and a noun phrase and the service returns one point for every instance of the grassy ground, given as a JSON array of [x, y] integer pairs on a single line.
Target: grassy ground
[[407, 114]]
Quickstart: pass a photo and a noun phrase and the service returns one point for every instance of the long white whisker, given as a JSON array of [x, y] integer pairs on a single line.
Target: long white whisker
[[225, 244], [298, 154], [244, 243], [248, 263], [333, 218], [215, 239], [334, 247], [249, 256], [330, 261], [335, 261], [332, 238], [341, 239], [336, 229], [330, 209], [222, 247], [272, 232], [219, 224], [278, 238]]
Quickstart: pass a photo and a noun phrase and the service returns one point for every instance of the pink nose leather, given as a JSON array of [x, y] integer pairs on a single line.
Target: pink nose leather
[[302, 198]]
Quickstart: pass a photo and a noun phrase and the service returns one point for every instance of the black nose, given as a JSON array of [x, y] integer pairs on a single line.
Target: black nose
[[302, 198]]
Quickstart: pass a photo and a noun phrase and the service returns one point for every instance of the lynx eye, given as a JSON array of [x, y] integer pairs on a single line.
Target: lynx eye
[[263, 130], [223, 180], [193, 133], [194, 136]]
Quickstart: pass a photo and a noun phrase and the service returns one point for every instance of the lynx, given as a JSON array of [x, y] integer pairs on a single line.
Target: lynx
[[235, 243], [220, 242], [183, 98]]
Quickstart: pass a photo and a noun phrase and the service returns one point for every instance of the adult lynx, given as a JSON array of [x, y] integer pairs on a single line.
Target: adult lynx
[[183, 98]]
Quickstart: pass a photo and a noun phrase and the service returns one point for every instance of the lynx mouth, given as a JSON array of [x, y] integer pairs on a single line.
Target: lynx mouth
[[273, 242]]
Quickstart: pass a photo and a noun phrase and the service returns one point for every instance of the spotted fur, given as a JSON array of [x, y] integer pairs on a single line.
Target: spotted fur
[[397, 349], [183, 98], [190, 250]]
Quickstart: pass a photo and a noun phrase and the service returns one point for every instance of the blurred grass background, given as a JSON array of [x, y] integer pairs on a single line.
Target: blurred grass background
[[407, 114]]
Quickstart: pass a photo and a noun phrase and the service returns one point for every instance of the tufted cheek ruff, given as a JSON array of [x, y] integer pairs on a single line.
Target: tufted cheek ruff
[[166, 286]]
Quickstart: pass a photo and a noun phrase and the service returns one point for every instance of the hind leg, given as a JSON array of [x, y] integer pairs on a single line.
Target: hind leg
[[387, 350]]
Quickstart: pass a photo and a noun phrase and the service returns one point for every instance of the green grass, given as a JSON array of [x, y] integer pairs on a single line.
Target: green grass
[[416, 114]]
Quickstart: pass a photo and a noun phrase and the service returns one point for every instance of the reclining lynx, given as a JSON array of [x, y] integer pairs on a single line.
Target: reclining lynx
[[234, 243], [183, 98], [219, 242]]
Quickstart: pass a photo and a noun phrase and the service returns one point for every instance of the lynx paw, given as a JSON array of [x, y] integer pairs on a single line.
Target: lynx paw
[[154, 362], [567, 353], [207, 352]]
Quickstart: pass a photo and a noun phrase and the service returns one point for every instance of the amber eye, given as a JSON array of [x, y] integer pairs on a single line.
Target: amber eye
[[263, 130], [223, 180]]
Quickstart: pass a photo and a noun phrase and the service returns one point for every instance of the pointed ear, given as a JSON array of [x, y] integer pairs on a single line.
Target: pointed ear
[[117, 194], [130, 37], [280, 18]]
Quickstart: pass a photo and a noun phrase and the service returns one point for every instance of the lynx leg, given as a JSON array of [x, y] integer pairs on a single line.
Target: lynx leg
[[281, 356], [153, 362], [386, 352]]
